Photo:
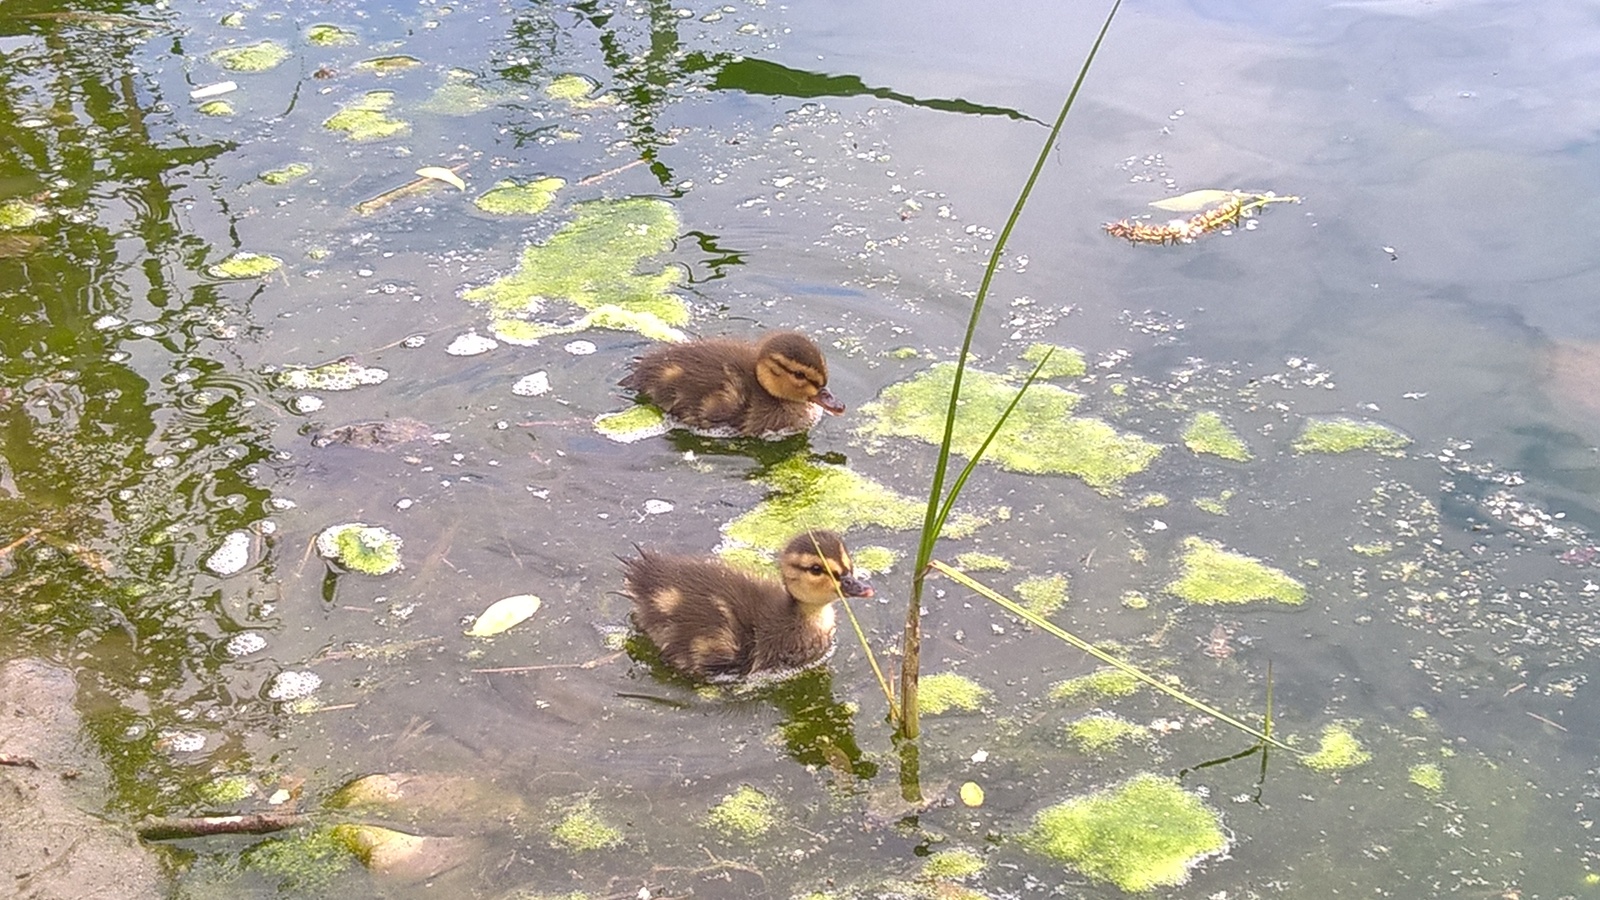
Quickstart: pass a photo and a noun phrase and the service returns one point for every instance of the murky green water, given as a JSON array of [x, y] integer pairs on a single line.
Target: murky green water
[[840, 169]]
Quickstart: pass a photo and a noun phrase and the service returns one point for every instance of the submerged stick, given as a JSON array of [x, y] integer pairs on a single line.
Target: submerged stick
[[422, 183], [161, 828]]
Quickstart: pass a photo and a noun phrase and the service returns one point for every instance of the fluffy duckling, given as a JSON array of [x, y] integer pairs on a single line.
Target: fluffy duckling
[[716, 623], [776, 387]]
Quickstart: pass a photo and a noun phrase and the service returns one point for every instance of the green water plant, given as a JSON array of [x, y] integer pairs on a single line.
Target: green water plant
[[952, 864], [581, 829], [1212, 576], [1101, 733], [368, 549], [520, 198], [257, 57], [1101, 684], [244, 264], [941, 502], [1043, 594], [1428, 776], [1143, 834], [291, 172], [367, 118]]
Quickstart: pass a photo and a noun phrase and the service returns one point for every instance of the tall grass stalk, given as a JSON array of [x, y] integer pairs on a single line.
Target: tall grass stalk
[[939, 504]]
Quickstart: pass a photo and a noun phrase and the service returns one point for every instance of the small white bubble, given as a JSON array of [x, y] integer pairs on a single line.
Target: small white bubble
[[581, 348]]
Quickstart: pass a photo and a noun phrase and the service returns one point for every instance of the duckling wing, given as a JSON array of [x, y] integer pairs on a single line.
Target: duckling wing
[[704, 384], [696, 612]]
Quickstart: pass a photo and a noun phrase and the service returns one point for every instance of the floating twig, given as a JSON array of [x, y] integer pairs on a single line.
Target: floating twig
[[416, 186], [1233, 206]]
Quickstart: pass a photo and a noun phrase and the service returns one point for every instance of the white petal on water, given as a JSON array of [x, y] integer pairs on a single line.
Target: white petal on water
[[503, 614]]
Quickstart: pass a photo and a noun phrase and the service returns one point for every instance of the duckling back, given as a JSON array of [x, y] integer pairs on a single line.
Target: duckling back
[[776, 387]]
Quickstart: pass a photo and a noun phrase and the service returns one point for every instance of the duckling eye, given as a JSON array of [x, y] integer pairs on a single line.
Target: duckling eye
[[816, 569]]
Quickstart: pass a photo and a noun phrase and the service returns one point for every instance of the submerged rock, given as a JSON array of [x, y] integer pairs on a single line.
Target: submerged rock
[[380, 435]]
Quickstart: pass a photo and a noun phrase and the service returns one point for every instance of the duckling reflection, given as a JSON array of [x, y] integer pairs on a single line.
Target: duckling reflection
[[773, 388]]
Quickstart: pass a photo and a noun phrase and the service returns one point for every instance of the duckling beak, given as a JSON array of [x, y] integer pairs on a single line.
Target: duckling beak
[[853, 586], [830, 404]]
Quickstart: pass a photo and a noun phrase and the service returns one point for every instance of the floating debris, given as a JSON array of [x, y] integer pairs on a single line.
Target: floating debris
[[232, 556], [367, 549], [1231, 207], [386, 65], [293, 685], [340, 375], [504, 614], [217, 89], [534, 385], [420, 184], [471, 344], [581, 348], [245, 264]]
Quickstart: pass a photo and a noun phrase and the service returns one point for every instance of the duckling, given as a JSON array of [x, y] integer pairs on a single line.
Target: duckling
[[716, 623], [776, 387]]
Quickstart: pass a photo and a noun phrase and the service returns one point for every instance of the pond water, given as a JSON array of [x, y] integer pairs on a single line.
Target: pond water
[[842, 169]]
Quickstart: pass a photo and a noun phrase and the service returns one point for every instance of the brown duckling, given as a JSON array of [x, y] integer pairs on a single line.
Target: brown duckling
[[776, 387], [716, 623]]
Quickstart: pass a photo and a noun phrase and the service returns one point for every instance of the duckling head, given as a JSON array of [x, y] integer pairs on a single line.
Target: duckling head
[[816, 570], [789, 366]]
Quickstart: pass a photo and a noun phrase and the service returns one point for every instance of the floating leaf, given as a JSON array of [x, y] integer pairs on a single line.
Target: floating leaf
[[1194, 201], [503, 614], [972, 794], [440, 173]]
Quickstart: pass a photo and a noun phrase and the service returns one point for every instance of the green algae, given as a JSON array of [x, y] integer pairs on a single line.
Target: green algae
[[1376, 548], [326, 35], [1043, 594], [303, 864], [386, 65], [17, 213], [1428, 776], [1135, 600], [514, 198], [1153, 500], [804, 494], [227, 790], [1101, 684], [1143, 834], [1042, 436], [975, 561], [874, 559], [258, 57], [218, 108], [1065, 362], [592, 263], [745, 813], [367, 119], [244, 264], [292, 172], [633, 424], [1207, 432], [952, 864], [946, 691], [581, 829], [578, 92], [1102, 733], [367, 549], [1342, 435], [1217, 506], [1338, 749], [1212, 575], [339, 375], [459, 95]]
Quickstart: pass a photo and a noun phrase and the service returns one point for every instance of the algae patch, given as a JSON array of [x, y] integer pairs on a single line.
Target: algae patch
[[1337, 750], [1041, 437], [1428, 776], [592, 263], [326, 35], [18, 213], [368, 119], [946, 691], [1102, 732], [578, 91], [257, 57], [631, 425], [1212, 575], [1143, 834], [340, 375], [1101, 684], [952, 864], [244, 264], [1342, 435], [745, 813], [368, 549], [1208, 433], [976, 561], [1065, 362], [386, 65], [581, 829], [1043, 594], [291, 172], [514, 198], [804, 494]]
